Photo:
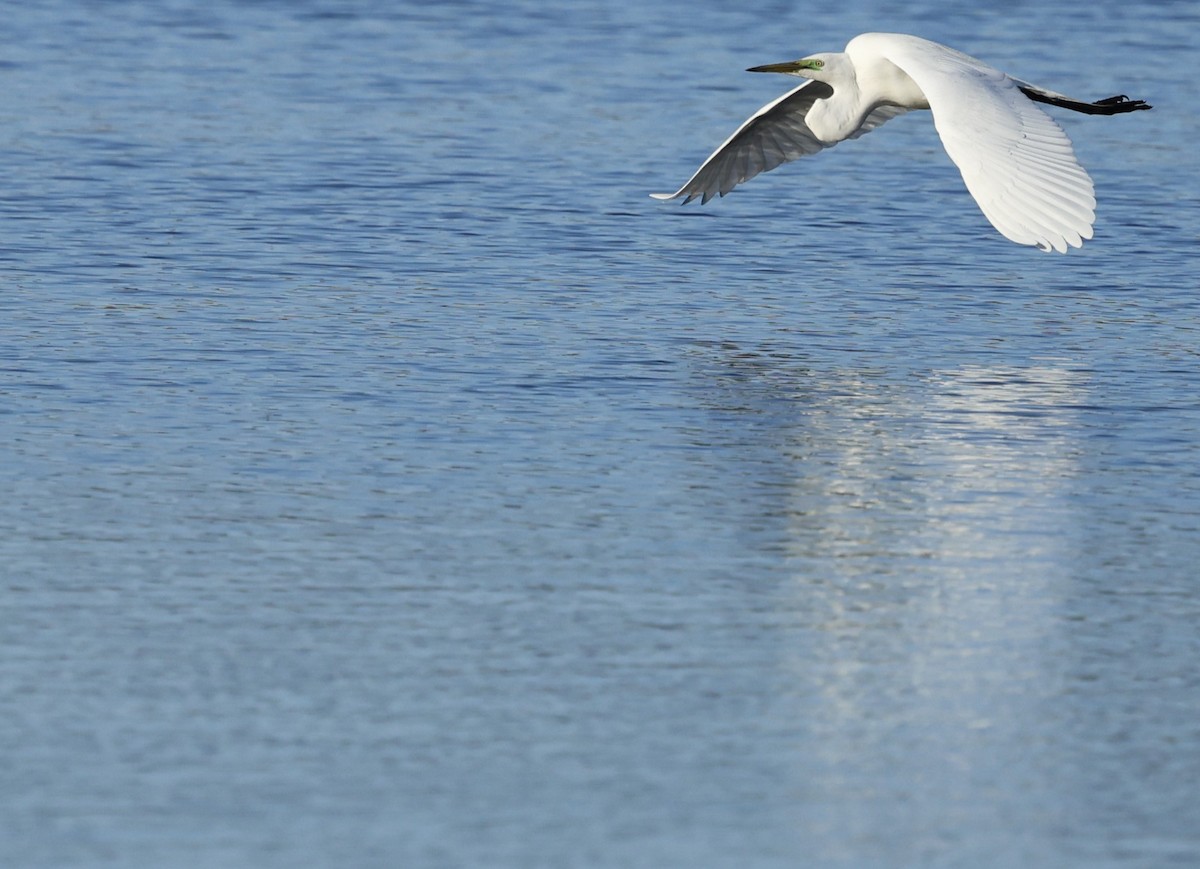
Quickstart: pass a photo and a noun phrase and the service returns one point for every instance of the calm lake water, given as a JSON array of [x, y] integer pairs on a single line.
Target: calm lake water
[[388, 482]]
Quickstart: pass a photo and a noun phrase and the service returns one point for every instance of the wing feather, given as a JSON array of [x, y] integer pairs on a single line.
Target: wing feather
[[774, 135], [1016, 161]]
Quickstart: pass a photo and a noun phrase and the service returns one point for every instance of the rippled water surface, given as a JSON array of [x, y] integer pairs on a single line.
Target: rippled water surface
[[390, 482]]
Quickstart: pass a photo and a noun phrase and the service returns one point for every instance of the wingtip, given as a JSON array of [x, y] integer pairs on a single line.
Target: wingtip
[[663, 197]]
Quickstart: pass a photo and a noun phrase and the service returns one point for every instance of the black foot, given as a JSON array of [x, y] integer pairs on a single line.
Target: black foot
[[1111, 106], [1119, 104]]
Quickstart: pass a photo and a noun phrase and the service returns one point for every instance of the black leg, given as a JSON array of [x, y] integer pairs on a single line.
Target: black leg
[[1117, 105]]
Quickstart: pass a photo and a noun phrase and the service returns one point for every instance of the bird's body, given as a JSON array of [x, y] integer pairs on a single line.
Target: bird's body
[[1016, 161]]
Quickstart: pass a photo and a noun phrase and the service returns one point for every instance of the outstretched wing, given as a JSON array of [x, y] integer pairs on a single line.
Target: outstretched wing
[[1017, 162], [773, 135]]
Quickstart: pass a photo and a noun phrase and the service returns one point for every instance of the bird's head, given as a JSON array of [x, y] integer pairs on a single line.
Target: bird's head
[[820, 67]]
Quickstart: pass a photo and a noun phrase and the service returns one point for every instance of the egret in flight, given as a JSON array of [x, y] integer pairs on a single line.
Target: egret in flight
[[1015, 160]]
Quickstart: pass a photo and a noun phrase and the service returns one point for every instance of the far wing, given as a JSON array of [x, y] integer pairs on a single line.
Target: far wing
[[772, 136], [1017, 162]]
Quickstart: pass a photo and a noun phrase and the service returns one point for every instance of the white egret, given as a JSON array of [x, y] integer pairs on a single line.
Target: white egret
[[1015, 160]]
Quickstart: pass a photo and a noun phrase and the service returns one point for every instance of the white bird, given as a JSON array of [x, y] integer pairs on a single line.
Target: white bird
[[1015, 160]]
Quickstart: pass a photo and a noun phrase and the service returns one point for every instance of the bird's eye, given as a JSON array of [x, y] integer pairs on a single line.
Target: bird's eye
[[818, 64]]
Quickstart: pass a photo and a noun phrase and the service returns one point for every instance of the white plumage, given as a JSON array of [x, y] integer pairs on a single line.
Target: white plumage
[[1016, 161]]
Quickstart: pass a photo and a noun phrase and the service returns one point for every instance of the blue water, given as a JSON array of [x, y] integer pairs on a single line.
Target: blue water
[[389, 482]]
